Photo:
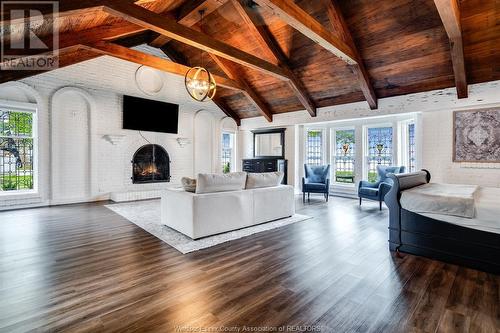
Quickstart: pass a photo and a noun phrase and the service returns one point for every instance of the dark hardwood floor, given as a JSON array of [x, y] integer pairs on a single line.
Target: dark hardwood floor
[[83, 268]]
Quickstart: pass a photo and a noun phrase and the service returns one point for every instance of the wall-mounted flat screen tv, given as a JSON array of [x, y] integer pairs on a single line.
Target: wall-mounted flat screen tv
[[147, 115]]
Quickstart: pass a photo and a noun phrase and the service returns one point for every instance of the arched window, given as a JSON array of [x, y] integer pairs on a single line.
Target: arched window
[[17, 149]]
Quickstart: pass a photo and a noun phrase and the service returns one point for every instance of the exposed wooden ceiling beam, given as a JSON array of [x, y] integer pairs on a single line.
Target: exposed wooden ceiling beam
[[449, 12], [231, 71], [188, 15], [92, 35], [221, 104], [66, 57], [65, 8], [256, 25], [340, 26], [125, 53], [181, 59], [141, 58], [228, 68], [299, 19], [168, 27]]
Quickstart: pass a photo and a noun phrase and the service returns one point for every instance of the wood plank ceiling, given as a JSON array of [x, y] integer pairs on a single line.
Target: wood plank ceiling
[[277, 56]]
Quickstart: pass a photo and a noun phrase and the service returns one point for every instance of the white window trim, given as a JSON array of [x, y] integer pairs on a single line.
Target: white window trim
[[233, 155], [404, 140], [366, 148], [25, 108], [324, 140], [333, 154]]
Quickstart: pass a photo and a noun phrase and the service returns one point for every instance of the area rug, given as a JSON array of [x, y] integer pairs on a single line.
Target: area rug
[[146, 214]]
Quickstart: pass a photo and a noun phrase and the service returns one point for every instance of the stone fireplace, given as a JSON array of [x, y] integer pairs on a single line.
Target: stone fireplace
[[151, 164]]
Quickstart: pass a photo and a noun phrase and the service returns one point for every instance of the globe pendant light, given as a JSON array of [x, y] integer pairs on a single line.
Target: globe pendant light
[[200, 84]]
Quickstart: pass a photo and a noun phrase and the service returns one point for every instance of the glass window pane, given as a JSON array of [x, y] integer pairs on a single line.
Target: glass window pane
[[227, 152], [14, 124], [314, 147], [379, 150], [16, 151], [16, 164], [411, 148], [345, 151]]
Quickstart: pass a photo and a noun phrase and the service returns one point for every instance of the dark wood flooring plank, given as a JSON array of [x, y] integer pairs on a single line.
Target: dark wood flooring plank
[[83, 268]]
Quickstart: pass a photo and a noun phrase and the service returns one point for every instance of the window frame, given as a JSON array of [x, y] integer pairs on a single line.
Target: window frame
[[333, 154], [404, 138], [232, 166], [20, 107], [323, 131], [366, 145]]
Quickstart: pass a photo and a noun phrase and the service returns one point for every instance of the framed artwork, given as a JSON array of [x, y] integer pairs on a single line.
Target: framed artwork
[[476, 136]]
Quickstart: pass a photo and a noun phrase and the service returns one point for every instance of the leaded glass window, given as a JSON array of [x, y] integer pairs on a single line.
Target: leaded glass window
[[411, 148], [344, 156], [314, 147], [227, 154], [379, 149], [16, 151]]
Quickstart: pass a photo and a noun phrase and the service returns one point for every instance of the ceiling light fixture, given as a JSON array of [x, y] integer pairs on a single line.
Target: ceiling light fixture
[[200, 84]]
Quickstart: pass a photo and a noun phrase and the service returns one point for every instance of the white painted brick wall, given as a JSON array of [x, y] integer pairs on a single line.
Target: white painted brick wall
[[106, 79], [436, 108]]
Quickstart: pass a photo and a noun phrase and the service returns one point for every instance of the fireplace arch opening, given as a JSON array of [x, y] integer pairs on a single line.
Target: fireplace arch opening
[[150, 164]]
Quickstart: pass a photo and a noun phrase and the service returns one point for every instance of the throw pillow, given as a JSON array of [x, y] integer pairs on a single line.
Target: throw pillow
[[213, 182], [188, 184], [264, 179]]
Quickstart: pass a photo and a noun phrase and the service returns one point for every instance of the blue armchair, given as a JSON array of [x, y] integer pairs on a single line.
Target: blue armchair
[[378, 190], [316, 180]]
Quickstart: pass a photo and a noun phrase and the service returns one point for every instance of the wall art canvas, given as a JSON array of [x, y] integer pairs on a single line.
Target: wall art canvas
[[476, 136]]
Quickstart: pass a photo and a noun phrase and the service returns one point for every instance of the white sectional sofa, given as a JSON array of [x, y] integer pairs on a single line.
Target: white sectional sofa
[[199, 215]]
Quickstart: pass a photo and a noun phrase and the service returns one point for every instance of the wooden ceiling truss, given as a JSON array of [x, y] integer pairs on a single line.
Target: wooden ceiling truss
[[135, 22]]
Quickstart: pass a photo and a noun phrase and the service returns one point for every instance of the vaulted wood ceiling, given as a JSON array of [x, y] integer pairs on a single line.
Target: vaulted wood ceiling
[[276, 56]]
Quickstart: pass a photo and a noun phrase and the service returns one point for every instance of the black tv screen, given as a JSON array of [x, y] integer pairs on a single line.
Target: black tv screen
[[147, 115]]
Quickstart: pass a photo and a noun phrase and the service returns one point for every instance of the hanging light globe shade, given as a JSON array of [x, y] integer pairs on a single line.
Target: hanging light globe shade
[[200, 84]]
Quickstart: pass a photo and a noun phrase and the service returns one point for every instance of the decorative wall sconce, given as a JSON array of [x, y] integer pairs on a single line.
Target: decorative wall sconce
[[114, 139], [183, 142]]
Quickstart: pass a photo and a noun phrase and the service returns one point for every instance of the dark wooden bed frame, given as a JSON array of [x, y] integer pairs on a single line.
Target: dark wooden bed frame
[[420, 235]]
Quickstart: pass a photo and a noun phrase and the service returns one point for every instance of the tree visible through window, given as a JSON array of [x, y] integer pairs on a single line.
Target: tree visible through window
[[344, 156], [380, 149], [16, 151], [314, 147], [227, 152]]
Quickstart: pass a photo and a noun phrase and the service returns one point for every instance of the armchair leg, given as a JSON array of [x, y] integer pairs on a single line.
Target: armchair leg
[[303, 197], [308, 196], [380, 204], [326, 196], [360, 201]]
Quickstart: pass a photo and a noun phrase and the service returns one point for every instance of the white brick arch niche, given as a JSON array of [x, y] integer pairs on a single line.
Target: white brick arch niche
[[72, 160], [204, 137]]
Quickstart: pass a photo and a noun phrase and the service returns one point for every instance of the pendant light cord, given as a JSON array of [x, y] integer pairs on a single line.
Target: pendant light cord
[[140, 133], [202, 11]]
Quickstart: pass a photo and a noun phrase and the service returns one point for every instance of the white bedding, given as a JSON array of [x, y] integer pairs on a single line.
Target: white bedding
[[487, 218], [446, 199]]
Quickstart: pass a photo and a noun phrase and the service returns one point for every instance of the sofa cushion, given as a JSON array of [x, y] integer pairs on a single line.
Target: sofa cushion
[[213, 182], [264, 179], [369, 191], [315, 187], [188, 184]]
